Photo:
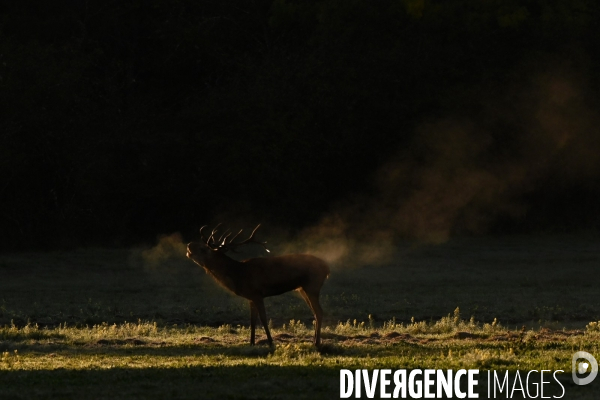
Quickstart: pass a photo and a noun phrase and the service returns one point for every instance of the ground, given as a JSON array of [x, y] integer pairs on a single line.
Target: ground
[[106, 323]]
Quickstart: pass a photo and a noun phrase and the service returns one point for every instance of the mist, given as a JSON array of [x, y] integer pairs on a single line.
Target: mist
[[164, 260], [468, 172], [478, 168]]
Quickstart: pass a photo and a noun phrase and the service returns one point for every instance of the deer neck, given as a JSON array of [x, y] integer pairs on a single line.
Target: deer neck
[[224, 270]]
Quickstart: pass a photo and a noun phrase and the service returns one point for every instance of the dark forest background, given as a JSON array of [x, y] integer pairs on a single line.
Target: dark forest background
[[121, 120]]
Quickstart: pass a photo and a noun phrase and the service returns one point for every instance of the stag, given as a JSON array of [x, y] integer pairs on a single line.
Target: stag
[[257, 278]]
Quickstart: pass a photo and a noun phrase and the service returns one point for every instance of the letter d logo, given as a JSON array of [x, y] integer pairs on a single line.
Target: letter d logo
[[582, 367]]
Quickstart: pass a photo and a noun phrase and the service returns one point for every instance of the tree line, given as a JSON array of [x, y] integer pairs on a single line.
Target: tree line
[[121, 120]]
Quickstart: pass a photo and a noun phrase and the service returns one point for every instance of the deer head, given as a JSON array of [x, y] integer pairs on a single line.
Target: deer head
[[211, 248]]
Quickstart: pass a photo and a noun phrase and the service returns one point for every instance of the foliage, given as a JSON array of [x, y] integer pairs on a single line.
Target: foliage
[[593, 327]]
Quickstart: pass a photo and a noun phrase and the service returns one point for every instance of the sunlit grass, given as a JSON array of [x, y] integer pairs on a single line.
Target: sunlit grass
[[450, 342], [211, 358]]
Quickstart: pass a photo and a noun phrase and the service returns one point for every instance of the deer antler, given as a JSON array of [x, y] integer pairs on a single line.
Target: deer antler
[[224, 243], [211, 242], [204, 239], [225, 246], [224, 236]]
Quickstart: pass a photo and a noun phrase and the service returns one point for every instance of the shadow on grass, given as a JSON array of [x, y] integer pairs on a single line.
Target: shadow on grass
[[243, 351], [137, 347], [141, 347], [235, 382], [14, 335]]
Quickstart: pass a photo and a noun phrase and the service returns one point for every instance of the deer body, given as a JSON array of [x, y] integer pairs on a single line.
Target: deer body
[[257, 278]]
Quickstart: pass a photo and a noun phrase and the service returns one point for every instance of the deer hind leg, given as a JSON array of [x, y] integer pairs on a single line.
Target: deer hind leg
[[253, 315], [260, 307], [312, 299]]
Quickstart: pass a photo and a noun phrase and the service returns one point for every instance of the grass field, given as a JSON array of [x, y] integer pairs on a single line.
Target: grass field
[[101, 323]]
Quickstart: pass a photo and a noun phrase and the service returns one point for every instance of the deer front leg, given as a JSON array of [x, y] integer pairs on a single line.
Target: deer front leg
[[260, 305], [253, 315]]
